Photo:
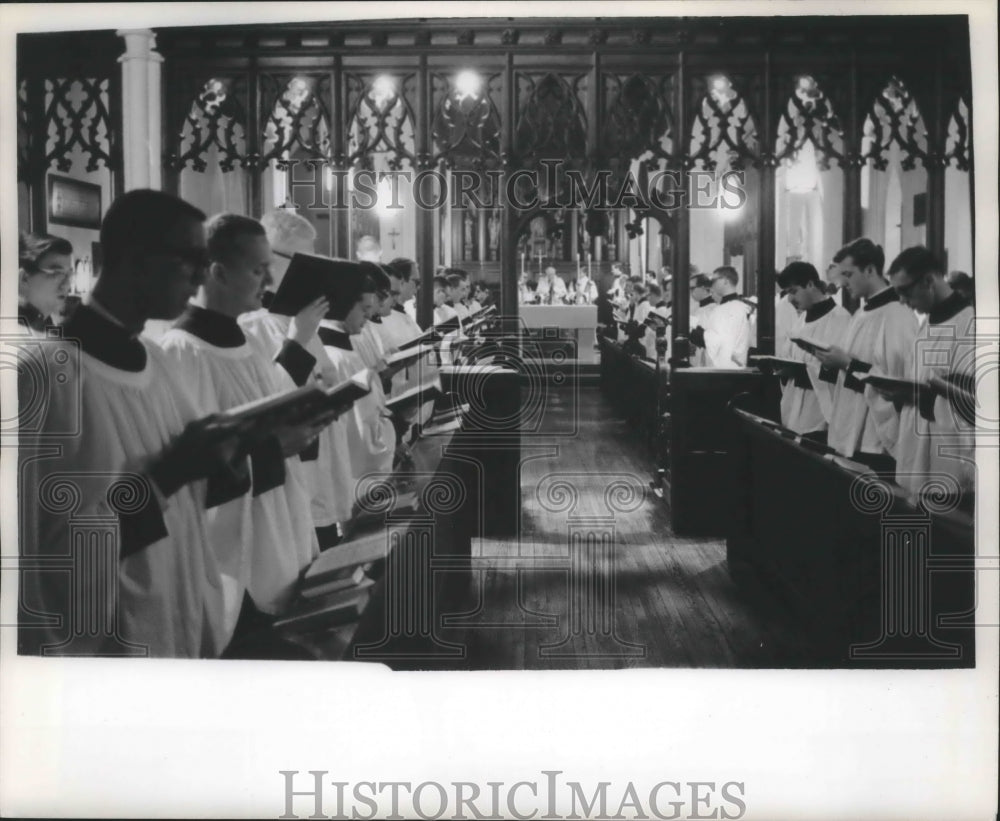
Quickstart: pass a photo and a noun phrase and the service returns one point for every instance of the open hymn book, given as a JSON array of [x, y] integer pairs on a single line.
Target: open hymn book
[[293, 408]]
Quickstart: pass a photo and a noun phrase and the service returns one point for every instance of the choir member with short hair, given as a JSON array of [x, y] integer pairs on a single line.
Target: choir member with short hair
[[264, 539], [45, 272], [409, 276], [443, 310], [137, 424], [455, 288], [294, 344], [371, 437], [936, 435], [726, 332], [807, 401], [963, 284], [864, 426]]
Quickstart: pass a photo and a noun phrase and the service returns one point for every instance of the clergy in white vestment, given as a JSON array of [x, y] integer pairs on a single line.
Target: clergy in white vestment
[[617, 293], [371, 437], [294, 344], [551, 287], [936, 432], [263, 540], [725, 333], [807, 399], [864, 425], [134, 450], [586, 290]]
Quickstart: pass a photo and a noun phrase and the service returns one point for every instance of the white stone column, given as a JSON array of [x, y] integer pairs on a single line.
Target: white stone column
[[141, 100]]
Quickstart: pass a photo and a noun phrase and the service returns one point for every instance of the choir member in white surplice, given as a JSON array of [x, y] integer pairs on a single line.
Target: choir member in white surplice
[[264, 539], [864, 425], [725, 332], [371, 437], [455, 290], [398, 328], [785, 316], [369, 342], [45, 272], [659, 312], [443, 312], [137, 424], [294, 344], [702, 306], [936, 433], [807, 401]]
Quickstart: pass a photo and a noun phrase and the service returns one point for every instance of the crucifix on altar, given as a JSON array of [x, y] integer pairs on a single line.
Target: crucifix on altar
[[392, 235]]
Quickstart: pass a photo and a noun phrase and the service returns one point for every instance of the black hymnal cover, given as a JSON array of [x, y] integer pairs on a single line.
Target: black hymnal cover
[[810, 345], [310, 276]]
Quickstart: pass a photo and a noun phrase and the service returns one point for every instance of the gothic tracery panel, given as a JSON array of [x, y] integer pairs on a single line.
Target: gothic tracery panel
[[466, 124], [216, 122], [638, 123], [551, 121], [809, 115], [958, 141], [724, 134], [894, 119], [298, 121], [380, 119], [77, 117]]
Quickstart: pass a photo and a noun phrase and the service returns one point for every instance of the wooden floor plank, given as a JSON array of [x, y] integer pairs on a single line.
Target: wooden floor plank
[[673, 595]]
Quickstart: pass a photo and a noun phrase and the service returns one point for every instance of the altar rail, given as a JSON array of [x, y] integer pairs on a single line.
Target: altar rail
[[876, 580]]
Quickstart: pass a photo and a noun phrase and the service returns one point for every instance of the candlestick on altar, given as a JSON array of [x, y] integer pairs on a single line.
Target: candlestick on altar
[[540, 257], [588, 265]]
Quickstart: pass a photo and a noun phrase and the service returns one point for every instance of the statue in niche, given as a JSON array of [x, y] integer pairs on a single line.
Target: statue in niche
[[493, 227]]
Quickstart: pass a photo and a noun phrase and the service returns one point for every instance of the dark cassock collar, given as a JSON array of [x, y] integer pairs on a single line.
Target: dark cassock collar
[[661, 304], [212, 327], [376, 319], [881, 299], [729, 298], [104, 340], [706, 301], [450, 303], [266, 299], [820, 309], [400, 308], [947, 308], [30, 316], [334, 338]]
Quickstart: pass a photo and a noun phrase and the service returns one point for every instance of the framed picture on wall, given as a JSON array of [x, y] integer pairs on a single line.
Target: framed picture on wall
[[74, 202]]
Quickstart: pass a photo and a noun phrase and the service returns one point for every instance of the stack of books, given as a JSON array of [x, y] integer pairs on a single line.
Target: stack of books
[[335, 589]]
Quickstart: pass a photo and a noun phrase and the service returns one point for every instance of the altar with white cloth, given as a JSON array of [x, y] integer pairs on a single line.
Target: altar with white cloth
[[576, 322]]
